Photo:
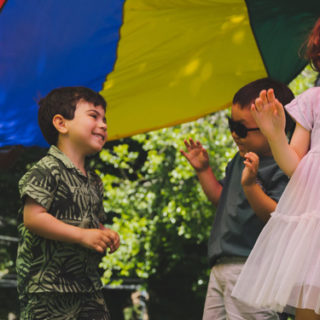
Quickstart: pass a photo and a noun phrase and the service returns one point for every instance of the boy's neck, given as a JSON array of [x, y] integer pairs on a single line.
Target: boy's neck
[[76, 157], [266, 154]]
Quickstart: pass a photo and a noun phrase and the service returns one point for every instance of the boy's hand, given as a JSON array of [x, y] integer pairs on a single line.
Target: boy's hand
[[269, 114], [99, 240], [196, 154], [115, 239], [250, 171]]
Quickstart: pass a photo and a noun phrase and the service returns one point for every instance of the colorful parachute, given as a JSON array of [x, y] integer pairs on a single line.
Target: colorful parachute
[[157, 62]]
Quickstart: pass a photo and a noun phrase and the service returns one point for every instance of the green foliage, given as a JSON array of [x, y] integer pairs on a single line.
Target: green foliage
[[306, 79], [161, 213]]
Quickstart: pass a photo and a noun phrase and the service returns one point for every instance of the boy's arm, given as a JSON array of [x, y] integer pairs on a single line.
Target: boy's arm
[[39, 221], [261, 204], [198, 157], [259, 201], [210, 185]]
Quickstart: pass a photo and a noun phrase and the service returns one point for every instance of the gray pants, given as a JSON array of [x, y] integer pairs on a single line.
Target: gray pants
[[220, 305]]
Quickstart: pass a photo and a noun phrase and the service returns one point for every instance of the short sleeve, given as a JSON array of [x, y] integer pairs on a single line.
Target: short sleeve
[[304, 108], [276, 185], [40, 184], [227, 172], [271, 178]]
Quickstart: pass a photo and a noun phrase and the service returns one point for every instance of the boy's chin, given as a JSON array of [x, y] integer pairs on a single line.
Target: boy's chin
[[242, 152], [94, 150]]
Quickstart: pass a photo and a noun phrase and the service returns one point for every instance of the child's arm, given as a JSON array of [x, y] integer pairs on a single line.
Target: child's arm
[[269, 114], [40, 222], [198, 157], [261, 203]]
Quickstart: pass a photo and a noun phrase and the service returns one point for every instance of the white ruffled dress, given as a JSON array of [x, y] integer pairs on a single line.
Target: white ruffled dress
[[283, 268]]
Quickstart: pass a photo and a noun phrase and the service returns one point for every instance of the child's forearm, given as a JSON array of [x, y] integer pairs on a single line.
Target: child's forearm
[[285, 156], [40, 222], [288, 156], [261, 203], [49, 227], [210, 185]]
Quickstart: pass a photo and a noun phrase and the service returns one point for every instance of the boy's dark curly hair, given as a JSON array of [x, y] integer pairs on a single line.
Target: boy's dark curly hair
[[63, 101]]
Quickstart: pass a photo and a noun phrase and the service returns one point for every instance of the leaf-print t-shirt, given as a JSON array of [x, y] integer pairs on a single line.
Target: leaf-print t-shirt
[[45, 265]]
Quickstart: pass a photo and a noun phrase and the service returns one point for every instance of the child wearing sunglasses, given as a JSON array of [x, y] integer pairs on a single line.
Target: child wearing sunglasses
[[283, 267], [244, 200]]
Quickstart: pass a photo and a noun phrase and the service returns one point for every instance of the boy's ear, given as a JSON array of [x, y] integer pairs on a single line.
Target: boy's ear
[[59, 122]]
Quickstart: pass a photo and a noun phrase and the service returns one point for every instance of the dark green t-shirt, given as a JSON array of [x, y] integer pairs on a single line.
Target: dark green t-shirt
[[236, 226], [45, 265]]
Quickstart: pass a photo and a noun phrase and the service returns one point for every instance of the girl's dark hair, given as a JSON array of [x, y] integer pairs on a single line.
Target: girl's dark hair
[[63, 101], [313, 46]]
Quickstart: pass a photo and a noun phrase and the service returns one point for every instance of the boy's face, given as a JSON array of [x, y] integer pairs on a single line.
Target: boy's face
[[254, 141], [87, 131]]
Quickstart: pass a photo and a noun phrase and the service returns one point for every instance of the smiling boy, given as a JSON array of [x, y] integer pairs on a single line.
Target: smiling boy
[[62, 238], [244, 199]]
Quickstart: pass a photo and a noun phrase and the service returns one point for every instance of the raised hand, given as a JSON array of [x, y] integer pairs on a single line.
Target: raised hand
[[196, 154], [250, 171], [269, 114]]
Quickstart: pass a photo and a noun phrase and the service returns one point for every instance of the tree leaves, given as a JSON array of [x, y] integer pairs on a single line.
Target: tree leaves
[[164, 208]]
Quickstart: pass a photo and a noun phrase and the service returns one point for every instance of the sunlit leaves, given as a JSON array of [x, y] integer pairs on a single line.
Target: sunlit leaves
[[164, 206], [306, 79]]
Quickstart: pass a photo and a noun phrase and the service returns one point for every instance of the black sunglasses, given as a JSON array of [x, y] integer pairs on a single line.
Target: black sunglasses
[[239, 128]]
